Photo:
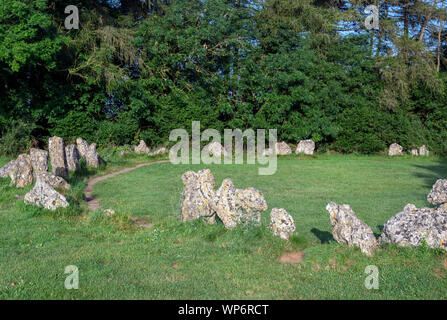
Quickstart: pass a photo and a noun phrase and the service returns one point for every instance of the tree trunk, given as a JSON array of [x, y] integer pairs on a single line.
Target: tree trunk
[[441, 25]]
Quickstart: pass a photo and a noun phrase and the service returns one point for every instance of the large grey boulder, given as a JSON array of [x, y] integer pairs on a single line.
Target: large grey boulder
[[395, 150], [215, 148], [438, 193], [7, 168], [412, 225], [58, 158], [46, 196], [281, 223], [73, 157], [306, 147], [39, 160], [53, 180], [350, 230], [22, 173], [282, 148], [198, 196], [236, 206], [142, 148]]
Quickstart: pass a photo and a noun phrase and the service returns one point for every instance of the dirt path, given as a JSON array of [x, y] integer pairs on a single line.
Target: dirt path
[[92, 202]]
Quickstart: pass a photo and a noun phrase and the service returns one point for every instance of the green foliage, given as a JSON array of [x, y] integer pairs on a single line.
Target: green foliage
[[16, 139]]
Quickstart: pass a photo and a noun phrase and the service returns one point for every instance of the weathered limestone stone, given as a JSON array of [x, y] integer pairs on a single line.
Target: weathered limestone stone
[[267, 152], [412, 225], [237, 206], [157, 152], [438, 193], [350, 230], [306, 147], [22, 173], [198, 196], [58, 158], [46, 196], [282, 148], [93, 158], [423, 151], [7, 168], [73, 157], [281, 223], [53, 180], [142, 148], [82, 146], [395, 150], [414, 152], [39, 160], [215, 148]]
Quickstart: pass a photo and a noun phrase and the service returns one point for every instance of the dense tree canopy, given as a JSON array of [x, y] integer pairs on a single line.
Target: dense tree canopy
[[138, 69]]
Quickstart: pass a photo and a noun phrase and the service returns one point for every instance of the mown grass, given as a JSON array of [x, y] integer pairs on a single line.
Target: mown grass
[[175, 260]]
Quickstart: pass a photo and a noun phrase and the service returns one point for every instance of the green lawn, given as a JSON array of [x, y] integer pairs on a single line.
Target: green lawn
[[175, 260]]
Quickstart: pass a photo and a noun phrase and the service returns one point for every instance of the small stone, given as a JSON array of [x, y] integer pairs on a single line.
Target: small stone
[[215, 149], [414, 152], [412, 225], [395, 150], [306, 147], [58, 158], [281, 223], [54, 181], [282, 148], [438, 193], [39, 160], [198, 196], [350, 230], [109, 212], [22, 173], [423, 151], [46, 196], [7, 168], [73, 157], [157, 152], [142, 148]]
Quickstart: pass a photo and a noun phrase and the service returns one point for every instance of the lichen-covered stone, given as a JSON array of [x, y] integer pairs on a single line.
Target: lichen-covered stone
[[39, 160], [306, 147], [142, 148], [198, 196], [22, 173], [350, 230], [281, 223], [73, 157], [414, 152], [423, 151], [438, 193], [282, 148], [395, 150], [44, 195], [93, 158], [7, 168], [53, 180], [214, 148], [412, 225], [82, 146], [157, 152], [237, 206], [58, 158]]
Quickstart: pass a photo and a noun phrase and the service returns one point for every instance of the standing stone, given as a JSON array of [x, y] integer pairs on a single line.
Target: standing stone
[[236, 206], [73, 157], [44, 195], [413, 225], [7, 168], [53, 180], [142, 148], [414, 152], [214, 148], [423, 151], [22, 173], [82, 146], [157, 152], [93, 158], [281, 223], [282, 148], [306, 147], [58, 158], [39, 160], [350, 230], [395, 150], [438, 193], [198, 196]]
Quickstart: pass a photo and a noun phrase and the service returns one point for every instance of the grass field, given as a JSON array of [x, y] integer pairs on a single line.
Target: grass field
[[175, 260]]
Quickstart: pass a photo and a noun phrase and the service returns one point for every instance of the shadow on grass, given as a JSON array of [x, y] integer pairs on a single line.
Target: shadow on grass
[[432, 172], [323, 236]]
